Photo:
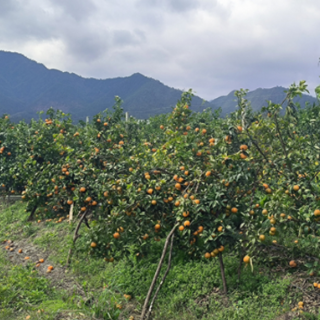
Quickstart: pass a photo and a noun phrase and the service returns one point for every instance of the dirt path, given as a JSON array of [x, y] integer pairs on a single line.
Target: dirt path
[[59, 276]]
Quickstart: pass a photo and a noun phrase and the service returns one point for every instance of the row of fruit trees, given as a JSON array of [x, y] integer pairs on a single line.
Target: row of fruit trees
[[204, 183]]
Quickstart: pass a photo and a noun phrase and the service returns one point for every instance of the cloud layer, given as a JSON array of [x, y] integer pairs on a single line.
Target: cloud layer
[[211, 46]]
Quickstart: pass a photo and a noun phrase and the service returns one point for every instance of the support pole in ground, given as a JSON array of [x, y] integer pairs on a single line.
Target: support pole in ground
[[75, 237], [156, 275], [240, 266], [71, 213], [162, 281]]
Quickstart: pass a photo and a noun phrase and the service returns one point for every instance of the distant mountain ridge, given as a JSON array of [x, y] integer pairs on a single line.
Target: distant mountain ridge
[[258, 98], [27, 87]]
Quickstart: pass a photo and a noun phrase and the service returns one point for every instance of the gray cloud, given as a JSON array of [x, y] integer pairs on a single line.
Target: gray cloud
[[210, 46]]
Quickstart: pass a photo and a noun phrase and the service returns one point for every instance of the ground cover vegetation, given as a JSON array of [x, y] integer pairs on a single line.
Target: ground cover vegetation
[[209, 193]]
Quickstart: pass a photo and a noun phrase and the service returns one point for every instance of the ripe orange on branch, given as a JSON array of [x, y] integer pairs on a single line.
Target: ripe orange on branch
[[187, 223], [244, 147]]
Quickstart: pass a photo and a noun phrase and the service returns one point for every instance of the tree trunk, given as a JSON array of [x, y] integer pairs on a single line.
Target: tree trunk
[[32, 213], [223, 276], [75, 237]]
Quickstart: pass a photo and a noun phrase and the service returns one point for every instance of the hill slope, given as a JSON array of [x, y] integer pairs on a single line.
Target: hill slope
[[258, 99], [27, 87]]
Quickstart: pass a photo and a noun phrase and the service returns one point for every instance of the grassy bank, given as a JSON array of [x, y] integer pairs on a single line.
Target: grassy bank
[[94, 289]]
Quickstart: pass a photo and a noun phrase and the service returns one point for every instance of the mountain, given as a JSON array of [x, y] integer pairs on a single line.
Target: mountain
[[27, 87], [258, 98]]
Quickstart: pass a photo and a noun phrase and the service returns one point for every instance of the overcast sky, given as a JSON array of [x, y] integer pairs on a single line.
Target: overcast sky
[[211, 46]]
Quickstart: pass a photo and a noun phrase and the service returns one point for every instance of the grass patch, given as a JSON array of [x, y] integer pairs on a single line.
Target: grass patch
[[192, 290]]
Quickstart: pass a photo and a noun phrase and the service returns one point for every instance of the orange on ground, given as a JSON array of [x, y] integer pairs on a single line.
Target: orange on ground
[[292, 264]]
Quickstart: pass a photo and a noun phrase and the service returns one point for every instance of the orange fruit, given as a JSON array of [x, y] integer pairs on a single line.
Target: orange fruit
[[157, 227], [220, 229], [50, 267], [185, 214], [244, 147], [41, 260], [273, 221], [150, 191], [246, 259], [296, 187], [208, 173], [317, 212], [82, 189], [207, 255], [234, 210], [262, 237], [181, 228], [154, 202], [292, 264], [93, 245], [186, 223], [116, 235]]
